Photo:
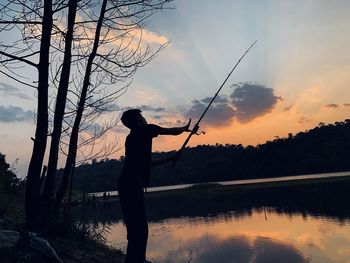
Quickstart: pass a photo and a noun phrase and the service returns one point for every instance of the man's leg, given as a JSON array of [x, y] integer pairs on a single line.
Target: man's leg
[[132, 202], [137, 242]]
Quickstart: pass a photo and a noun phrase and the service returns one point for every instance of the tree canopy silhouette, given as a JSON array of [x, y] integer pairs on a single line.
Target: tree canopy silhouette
[[325, 148]]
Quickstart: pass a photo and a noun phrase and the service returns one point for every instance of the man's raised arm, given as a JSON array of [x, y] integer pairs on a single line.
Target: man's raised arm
[[175, 130]]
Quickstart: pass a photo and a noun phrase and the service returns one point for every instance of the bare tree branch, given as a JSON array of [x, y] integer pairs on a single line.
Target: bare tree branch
[[21, 22], [22, 59]]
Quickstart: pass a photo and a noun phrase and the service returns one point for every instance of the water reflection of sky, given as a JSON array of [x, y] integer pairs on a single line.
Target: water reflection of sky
[[255, 238]]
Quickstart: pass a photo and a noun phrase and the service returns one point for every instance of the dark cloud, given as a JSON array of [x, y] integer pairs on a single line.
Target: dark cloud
[[219, 114], [248, 101], [252, 100], [332, 106], [149, 108], [115, 107], [9, 90], [237, 85], [218, 99], [13, 113]]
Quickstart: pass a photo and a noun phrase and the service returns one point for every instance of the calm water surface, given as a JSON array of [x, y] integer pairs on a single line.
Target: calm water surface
[[262, 235], [296, 223]]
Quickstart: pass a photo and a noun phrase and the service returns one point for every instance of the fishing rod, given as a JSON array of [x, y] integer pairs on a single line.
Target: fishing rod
[[196, 126]]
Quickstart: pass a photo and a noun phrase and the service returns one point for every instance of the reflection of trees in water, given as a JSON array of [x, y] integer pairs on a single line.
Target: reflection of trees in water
[[238, 248], [322, 199]]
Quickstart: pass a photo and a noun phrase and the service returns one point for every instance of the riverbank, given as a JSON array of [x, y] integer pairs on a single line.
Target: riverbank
[[72, 242], [244, 182], [207, 190], [318, 196], [70, 249], [326, 196]]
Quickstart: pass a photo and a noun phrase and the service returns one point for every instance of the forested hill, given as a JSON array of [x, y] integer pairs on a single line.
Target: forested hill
[[325, 148]]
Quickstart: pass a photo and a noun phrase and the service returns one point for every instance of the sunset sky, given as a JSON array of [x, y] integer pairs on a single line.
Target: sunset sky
[[296, 76]]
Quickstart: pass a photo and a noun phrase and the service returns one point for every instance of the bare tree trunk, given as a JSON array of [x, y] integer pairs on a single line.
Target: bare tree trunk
[[48, 194], [70, 189], [81, 106], [33, 198], [118, 37]]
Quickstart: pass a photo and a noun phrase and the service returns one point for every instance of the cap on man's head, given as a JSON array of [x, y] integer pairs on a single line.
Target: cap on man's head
[[129, 117]]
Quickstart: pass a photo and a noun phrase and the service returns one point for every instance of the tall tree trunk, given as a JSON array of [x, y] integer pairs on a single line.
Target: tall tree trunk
[[33, 198], [81, 106], [48, 194]]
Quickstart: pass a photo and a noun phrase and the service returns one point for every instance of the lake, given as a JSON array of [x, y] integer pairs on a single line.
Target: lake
[[287, 224], [262, 236]]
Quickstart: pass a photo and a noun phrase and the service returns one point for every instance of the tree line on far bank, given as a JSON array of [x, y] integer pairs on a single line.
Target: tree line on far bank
[[325, 148]]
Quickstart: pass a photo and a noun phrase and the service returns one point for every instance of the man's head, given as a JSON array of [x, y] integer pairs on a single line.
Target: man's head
[[133, 118]]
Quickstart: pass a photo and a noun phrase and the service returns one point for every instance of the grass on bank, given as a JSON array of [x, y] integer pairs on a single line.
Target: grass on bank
[[72, 242]]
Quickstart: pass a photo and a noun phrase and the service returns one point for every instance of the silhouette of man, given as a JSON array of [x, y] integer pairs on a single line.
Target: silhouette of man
[[135, 176]]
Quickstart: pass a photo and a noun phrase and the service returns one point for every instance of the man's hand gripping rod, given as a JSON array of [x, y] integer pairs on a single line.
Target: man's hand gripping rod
[[196, 126]]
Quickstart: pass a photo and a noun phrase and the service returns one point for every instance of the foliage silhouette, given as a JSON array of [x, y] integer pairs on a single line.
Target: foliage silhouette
[[325, 148]]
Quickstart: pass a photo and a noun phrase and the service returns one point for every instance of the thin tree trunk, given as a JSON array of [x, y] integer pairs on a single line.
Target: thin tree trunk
[[33, 197], [48, 195], [70, 190], [81, 106]]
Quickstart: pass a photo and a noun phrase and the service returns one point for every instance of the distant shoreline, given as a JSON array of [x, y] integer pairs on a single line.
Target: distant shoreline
[[238, 182]]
